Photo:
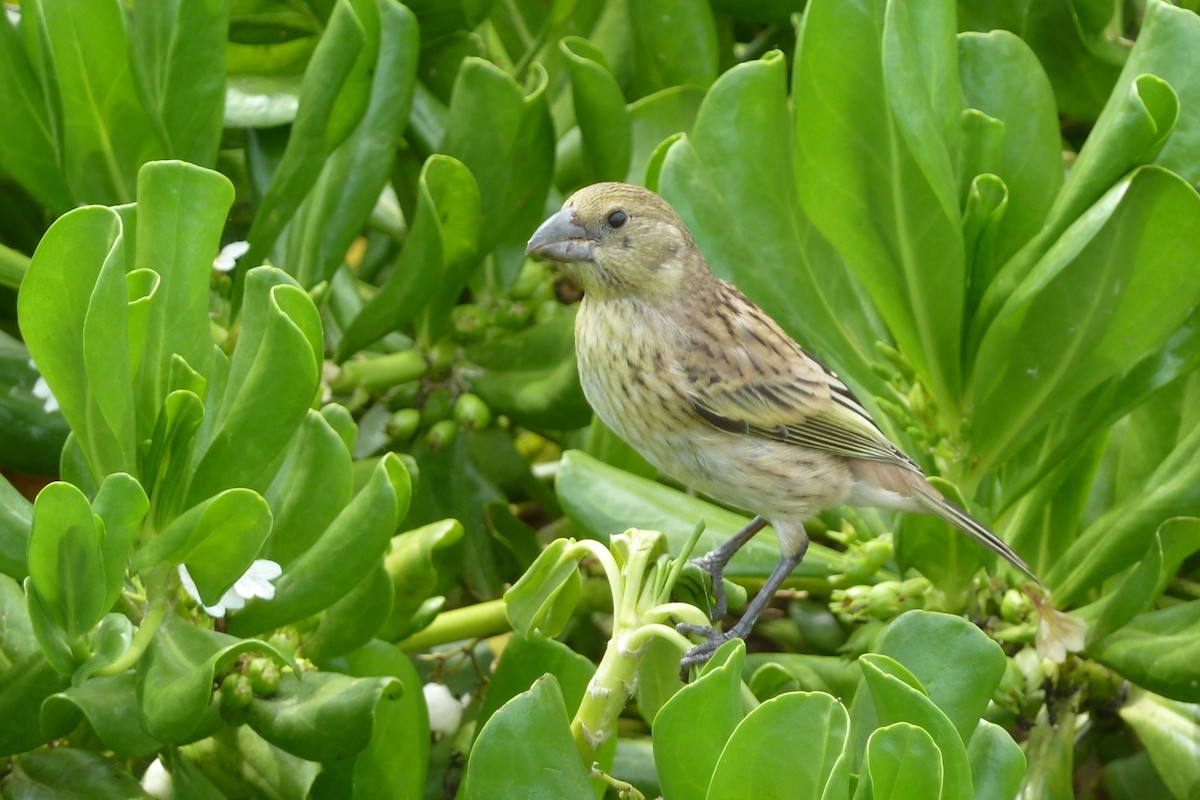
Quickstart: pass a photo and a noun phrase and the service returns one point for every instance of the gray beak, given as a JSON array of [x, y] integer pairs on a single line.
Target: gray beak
[[560, 239]]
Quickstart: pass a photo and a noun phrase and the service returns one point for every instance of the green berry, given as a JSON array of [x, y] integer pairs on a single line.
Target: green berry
[[471, 412], [468, 322], [403, 425], [264, 676], [442, 434], [236, 692]]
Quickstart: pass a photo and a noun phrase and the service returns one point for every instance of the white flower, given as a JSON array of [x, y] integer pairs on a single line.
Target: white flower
[[256, 582], [226, 260], [445, 713], [1058, 634], [156, 781], [42, 389]]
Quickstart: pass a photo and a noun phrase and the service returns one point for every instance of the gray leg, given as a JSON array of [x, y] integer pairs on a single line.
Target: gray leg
[[702, 652], [714, 562]]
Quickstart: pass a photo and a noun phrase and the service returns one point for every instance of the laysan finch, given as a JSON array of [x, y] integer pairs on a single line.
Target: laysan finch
[[709, 389]]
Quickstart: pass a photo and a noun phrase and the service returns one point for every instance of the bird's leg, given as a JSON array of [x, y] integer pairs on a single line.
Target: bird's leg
[[714, 562], [703, 652]]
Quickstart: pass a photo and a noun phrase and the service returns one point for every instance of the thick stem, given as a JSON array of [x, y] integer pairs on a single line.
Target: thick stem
[[606, 695]]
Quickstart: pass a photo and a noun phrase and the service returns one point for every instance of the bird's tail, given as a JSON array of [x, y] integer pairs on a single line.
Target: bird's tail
[[933, 502]]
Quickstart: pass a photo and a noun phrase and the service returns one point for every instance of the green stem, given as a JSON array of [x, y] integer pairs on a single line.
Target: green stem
[[469, 622], [606, 695], [12, 267]]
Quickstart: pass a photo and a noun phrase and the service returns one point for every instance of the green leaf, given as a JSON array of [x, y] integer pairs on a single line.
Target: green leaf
[[1050, 750], [747, 769], [121, 504], [67, 772], [674, 43], [1117, 267], [345, 554], [181, 210], [67, 560], [273, 378], [924, 642], [898, 697], [903, 762], [237, 762], [1157, 650], [357, 171], [441, 241], [532, 376], [108, 642], [324, 717], [16, 520], [602, 500], [599, 110], [105, 702], [178, 59], [355, 619], [175, 677], [72, 308], [1077, 49], [997, 763], [413, 571], [525, 660], [511, 157], [692, 728], [333, 100], [1170, 732], [26, 677], [544, 597], [107, 134], [396, 760], [31, 150], [547, 765], [877, 116]]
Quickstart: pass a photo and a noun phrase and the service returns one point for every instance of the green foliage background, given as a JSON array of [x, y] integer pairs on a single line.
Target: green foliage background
[[983, 215]]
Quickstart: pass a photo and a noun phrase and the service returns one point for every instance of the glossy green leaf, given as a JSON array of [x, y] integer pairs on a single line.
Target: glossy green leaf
[[898, 697], [32, 432], [333, 99], [544, 597], [691, 730], [175, 677], [924, 642], [72, 308], [674, 43], [1158, 651], [31, 150], [762, 240], [237, 762], [395, 761], [355, 619], [903, 762], [345, 554], [178, 60], [997, 763], [525, 660], [1050, 751], [746, 768], [167, 465], [441, 241], [511, 157], [412, 569], [548, 765], [599, 110], [1170, 732], [322, 717], [107, 134], [26, 677], [181, 210], [1078, 52], [311, 488], [532, 376], [66, 772], [122, 505], [273, 377], [108, 642], [602, 500], [864, 77], [105, 702], [67, 559], [355, 173], [1034, 361], [16, 520]]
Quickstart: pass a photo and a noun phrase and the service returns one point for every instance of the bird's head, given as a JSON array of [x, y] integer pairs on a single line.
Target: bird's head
[[619, 240]]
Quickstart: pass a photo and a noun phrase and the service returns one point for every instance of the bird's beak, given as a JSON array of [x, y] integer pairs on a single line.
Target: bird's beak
[[560, 239]]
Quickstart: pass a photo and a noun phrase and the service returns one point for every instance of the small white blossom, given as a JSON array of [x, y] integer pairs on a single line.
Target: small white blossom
[[256, 582], [445, 713], [1059, 634], [156, 781], [226, 260]]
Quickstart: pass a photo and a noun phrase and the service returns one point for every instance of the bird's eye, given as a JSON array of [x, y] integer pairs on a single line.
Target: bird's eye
[[617, 218]]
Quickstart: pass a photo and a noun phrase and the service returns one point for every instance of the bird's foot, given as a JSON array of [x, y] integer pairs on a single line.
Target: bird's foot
[[715, 567], [701, 653]]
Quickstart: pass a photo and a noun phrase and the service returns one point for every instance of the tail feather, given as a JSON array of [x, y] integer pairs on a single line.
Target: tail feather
[[933, 502]]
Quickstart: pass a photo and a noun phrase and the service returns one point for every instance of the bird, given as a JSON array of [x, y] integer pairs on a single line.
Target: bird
[[713, 392]]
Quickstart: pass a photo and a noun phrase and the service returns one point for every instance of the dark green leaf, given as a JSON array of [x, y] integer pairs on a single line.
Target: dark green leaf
[[64, 772]]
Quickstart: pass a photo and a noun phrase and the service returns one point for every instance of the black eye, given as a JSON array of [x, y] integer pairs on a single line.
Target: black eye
[[617, 218]]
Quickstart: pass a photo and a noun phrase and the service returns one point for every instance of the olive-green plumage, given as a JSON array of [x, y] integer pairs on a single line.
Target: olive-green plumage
[[710, 389]]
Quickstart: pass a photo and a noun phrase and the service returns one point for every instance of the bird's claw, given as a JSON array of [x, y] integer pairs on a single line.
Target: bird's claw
[[701, 653], [716, 571]]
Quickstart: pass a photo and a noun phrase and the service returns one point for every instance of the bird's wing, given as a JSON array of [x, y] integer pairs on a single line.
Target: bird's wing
[[803, 404]]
